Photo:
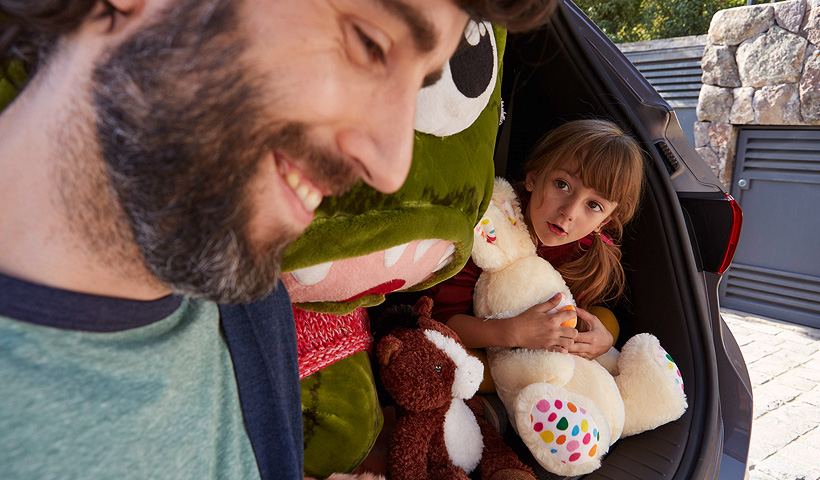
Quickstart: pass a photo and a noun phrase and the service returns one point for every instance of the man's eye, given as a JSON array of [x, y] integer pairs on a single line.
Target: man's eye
[[374, 51]]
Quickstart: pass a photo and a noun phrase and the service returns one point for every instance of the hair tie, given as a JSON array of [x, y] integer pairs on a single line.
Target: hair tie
[[596, 233]]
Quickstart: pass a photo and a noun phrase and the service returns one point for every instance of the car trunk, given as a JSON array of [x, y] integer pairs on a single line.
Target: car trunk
[[569, 70]]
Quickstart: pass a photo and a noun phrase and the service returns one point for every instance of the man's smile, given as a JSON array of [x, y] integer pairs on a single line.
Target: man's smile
[[302, 187]]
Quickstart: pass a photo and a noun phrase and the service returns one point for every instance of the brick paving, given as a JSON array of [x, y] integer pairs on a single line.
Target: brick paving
[[784, 366]]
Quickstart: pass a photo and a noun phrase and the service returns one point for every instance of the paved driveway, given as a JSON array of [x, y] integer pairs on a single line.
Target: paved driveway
[[784, 365]]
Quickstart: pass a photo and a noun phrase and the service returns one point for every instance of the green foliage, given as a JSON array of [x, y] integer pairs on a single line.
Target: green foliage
[[636, 20], [12, 77]]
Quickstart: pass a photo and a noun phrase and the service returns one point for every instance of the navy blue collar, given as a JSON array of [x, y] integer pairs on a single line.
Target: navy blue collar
[[52, 307]]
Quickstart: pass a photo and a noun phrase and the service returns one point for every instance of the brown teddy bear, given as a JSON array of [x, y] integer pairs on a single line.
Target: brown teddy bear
[[440, 432]]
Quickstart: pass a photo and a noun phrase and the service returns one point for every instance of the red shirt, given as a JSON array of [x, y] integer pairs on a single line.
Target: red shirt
[[455, 295]]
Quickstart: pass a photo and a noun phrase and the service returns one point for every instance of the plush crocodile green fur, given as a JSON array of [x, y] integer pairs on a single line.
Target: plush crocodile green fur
[[447, 191]]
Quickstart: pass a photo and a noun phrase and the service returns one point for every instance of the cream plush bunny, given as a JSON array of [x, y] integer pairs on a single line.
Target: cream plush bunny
[[568, 410]]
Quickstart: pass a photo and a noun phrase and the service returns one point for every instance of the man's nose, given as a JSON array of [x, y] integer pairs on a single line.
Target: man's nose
[[382, 140]]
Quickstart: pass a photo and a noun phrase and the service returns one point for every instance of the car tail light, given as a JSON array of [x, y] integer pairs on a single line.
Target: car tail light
[[737, 222]]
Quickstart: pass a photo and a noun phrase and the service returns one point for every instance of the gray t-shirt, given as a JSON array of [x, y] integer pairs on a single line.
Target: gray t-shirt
[[157, 401]]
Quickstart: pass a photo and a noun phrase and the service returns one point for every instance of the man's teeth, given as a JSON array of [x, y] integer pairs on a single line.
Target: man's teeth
[[310, 197]]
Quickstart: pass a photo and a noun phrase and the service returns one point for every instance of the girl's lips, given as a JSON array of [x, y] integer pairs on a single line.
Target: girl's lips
[[555, 229]]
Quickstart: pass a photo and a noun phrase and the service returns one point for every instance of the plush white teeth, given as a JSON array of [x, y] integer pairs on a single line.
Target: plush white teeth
[[310, 197], [422, 248], [393, 254], [312, 275], [446, 258]]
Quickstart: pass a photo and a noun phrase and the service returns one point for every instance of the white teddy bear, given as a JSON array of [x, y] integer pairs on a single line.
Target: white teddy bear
[[568, 410]]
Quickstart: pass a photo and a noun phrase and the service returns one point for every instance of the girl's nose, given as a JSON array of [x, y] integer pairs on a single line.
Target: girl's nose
[[570, 209]]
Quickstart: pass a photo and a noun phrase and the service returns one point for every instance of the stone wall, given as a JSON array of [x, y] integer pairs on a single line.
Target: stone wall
[[761, 66]]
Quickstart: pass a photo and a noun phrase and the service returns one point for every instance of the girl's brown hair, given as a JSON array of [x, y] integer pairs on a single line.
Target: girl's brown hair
[[608, 160]]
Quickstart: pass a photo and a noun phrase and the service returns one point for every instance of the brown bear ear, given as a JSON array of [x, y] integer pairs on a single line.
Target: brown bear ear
[[387, 347], [424, 307]]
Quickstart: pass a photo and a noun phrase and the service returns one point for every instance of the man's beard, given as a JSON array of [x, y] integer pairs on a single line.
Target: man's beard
[[182, 128]]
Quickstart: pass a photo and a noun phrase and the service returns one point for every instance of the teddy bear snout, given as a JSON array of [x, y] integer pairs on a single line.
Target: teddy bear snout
[[469, 374]]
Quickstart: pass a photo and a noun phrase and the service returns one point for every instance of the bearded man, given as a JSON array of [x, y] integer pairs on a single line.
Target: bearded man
[[158, 160]]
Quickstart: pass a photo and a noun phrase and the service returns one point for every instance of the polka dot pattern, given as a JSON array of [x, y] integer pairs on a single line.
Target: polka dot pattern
[[666, 360], [569, 432]]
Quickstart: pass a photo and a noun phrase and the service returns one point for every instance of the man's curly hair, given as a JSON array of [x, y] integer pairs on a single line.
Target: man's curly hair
[[29, 29]]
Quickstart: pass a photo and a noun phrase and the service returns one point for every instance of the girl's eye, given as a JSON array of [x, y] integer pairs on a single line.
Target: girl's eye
[[595, 206], [374, 51], [562, 185]]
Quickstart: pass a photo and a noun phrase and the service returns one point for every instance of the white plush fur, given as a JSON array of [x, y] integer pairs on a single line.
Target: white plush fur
[[650, 400], [626, 393], [517, 277], [469, 369], [462, 436]]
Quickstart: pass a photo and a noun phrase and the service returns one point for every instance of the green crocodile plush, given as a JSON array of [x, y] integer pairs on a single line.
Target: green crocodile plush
[[365, 245]]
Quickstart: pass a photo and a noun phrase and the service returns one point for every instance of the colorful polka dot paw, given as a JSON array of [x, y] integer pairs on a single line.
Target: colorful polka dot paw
[[568, 431], [666, 361]]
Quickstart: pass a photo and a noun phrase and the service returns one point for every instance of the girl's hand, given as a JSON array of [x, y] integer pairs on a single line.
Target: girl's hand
[[536, 329], [594, 342]]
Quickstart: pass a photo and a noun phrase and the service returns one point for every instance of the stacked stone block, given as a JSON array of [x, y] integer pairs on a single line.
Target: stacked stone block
[[761, 66]]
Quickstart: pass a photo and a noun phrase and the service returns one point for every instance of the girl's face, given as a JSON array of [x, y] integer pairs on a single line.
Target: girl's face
[[562, 210]]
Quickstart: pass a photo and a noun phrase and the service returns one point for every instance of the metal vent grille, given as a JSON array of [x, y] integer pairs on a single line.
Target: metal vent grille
[[674, 72], [669, 158], [776, 269], [773, 292], [783, 154]]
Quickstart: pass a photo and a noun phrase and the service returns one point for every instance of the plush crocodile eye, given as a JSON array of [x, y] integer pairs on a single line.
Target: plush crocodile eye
[[456, 100], [438, 368]]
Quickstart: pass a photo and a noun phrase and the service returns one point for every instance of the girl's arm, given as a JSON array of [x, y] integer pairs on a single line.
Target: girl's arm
[[533, 329], [593, 342]]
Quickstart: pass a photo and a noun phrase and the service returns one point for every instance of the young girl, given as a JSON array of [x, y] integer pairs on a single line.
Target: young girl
[[582, 185]]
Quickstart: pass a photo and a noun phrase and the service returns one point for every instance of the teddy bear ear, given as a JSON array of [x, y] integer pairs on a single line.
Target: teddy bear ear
[[424, 307], [487, 252], [501, 236], [387, 347], [506, 200]]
